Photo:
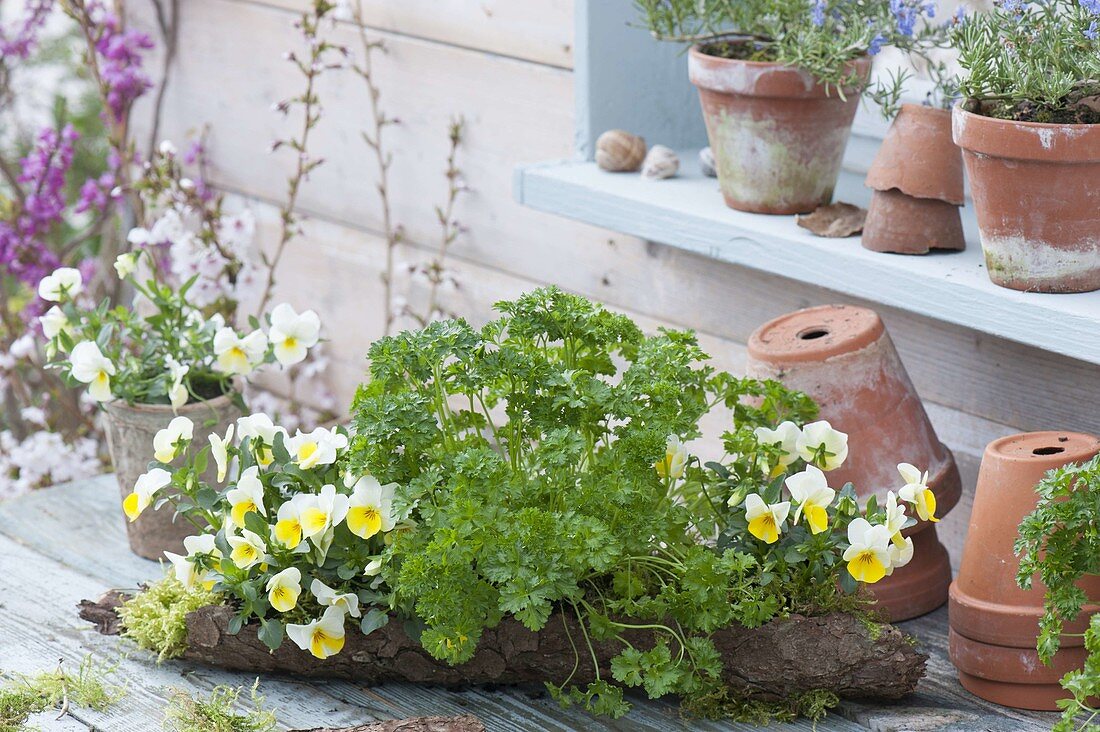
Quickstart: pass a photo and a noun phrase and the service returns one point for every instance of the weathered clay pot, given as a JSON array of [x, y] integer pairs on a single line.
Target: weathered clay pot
[[1035, 195], [842, 357], [995, 622], [917, 178], [778, 137], [130, 431]]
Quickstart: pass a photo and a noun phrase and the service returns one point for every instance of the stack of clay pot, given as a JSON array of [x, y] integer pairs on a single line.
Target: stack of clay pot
[[843, 358], [917, 178], [994, 623]]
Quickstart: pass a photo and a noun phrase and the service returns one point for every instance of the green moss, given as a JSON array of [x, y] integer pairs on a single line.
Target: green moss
[[216, 713], [27, 695], [156, 619], [721, 704]]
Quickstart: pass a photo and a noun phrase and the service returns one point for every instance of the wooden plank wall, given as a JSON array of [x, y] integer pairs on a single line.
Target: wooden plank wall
[[507, 69]]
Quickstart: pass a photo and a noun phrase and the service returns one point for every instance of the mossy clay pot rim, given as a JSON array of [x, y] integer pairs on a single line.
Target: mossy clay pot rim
[[120, 405], [1044, 142], [765, 78]]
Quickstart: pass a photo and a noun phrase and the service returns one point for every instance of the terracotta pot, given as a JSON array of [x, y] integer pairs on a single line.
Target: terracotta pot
[[1034, 190], [842, 357], [997, 622], [901, 224], [778, 137], [130, 431]]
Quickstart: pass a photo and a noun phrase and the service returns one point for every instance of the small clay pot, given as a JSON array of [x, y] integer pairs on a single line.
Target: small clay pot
[[778, 136], [843, 358], [996, 622], [901, 224], [1034, 190], [130, 431]]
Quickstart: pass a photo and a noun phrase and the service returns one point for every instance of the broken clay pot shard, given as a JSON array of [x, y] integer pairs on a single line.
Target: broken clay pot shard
[[843, 358], [918, 157], [898, 223], [835, 221], [994, 622]]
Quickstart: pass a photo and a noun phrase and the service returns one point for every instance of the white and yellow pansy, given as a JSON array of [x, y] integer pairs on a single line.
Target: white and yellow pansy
[[91, 367], [288, 527], [327, 509], [145, 489], [64, 283], [785, 436], [284, 588], [169, 442], [239, 355], [810, 490], [219, 450], [901, 553], [247, 496], [766, 521], [821, 445], [373, 568], [248, 549], [917, 492], [54, 322], [292, 335], [177, 390], [186, 569], [259, 427], [347, 602], [322, 637], [868, 554], [370, 507], [126, 264], [674, 463], [319, 447]]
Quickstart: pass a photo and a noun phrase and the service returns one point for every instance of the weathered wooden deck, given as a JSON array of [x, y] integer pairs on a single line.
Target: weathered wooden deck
[[64, 544]]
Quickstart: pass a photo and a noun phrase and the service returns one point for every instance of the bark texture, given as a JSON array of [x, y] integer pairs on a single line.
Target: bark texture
[[835, 652], [465, 723]]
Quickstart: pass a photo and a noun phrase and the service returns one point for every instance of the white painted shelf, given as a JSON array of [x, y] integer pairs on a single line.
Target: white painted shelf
[[687, 212]]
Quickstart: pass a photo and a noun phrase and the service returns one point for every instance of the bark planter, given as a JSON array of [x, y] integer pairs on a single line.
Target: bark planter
[[777, 136], [917, 179], [850, 658], [994, 623], [1036, 198], [843, 358], [130, 431]]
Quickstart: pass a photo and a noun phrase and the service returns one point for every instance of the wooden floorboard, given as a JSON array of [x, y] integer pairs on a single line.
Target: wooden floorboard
[[67, 543]]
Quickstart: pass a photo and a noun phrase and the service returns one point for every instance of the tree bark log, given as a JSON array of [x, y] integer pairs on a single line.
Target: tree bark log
[[784, 658], [465, 723]]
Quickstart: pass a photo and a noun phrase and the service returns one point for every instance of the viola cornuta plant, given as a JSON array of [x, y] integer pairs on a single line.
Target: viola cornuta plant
[[538, 469]]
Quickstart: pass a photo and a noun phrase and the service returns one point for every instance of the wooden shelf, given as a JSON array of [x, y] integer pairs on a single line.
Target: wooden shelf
[[687, 212]]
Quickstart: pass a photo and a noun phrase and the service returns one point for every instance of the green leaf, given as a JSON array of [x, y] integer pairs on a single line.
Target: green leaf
[[271, 633], [373, 619]]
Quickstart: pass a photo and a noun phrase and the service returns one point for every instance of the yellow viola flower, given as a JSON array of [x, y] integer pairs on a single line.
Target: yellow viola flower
[[292, 335], [786, 437], [370, 508], [811, 491], [674, 463], [347, 602], [248, 496], [91, 367], [187, 571], [868, 553], [288, 528], [766, 522], [173, 439], [323, 637], [219, 450], [237, 355], [283, 589], [258, 431], [144, 491], [917, 492], [821, 445], [318, 447], [327, 509], [248, 549]]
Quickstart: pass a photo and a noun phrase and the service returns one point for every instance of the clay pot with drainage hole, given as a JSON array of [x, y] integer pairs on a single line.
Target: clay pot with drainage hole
[[917, 179], [994, 623], [1035, 196], [843, 358], [778, 136]]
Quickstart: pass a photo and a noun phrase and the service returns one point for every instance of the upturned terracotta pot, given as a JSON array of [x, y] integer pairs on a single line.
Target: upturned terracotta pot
[[130, 431], [778, 136], [917, 179], [842, 357], [994, 622], [1036, 199]]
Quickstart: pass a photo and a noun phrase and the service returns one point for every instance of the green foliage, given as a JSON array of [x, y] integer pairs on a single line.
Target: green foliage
[[156, 618], [216, 713], [28, 695], [1032, 61], [526, 450], [718, 704], [1060, 542]]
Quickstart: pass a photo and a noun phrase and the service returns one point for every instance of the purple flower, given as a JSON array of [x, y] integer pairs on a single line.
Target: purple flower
[[120, 67], [905, 15], [20, 40], [817, 13], [1013, 6], [1093, 31], [876, 44], [1093, 6]]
